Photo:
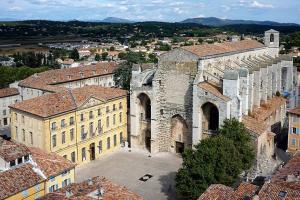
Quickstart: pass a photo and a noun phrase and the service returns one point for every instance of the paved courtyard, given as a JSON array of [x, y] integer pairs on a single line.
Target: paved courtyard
[[125, 168]]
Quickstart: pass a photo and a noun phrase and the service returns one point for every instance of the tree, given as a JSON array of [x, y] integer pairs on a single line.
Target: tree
[[112, 48], [97, 57], [214, 160], [74, 54], [236, 131], [104, 55], [152, 58], [122, 75]]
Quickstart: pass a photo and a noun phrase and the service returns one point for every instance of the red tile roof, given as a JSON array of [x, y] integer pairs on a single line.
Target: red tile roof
[[213, 90], [267, 109], [11, 150], [291, 169], [17, 180], [56, 103], [81, 191], [254, 126], [271, 191], [222, 48], [6, 92], [244, 189], [46, 80], [51, 164], [217, 192]]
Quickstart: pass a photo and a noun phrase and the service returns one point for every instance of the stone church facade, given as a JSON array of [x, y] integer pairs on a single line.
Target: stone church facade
[[192, 90]]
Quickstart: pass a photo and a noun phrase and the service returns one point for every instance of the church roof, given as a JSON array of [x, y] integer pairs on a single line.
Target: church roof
[[205, 50], [213, 90]]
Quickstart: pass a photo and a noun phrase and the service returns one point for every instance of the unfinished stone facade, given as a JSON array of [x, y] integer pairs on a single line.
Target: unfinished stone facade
[[194, 89]]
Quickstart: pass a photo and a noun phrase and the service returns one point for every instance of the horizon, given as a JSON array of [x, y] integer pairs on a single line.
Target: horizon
[[150, 10]]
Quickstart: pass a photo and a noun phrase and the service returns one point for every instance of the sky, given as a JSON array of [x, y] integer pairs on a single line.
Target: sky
[[151, 10]]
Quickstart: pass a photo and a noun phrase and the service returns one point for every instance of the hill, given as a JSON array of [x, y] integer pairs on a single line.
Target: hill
[[213, 21]]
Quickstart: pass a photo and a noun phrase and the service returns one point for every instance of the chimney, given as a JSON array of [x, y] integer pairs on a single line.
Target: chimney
[[69, 193]]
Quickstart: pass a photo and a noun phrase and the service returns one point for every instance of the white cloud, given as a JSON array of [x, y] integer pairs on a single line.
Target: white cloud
[[256, 4], [15, 8]]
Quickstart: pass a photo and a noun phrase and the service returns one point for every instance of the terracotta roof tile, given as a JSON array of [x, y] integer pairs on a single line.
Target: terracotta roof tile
[[51, 164], [272, 191], [267, 109], [222, 48], [253, 125], [6, 92], [217, 192], [18, 179], [52, 104], [213, 90], [82, 191], [244, 189], [290, 169], [54, 77], [11, 150]]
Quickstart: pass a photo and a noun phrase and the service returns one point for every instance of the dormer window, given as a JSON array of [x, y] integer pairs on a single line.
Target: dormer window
[[26, 158], [81, 74], [69, 77], [282, 194], [20, 160], [12, 163], [94, 72]]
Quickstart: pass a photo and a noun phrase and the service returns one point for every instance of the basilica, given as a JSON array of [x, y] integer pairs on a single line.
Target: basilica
[[193, 89]]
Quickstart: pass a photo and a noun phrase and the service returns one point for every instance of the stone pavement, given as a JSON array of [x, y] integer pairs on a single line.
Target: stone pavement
[[126, 168]]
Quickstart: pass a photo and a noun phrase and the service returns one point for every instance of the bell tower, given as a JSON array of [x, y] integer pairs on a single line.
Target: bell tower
[[272, 40]]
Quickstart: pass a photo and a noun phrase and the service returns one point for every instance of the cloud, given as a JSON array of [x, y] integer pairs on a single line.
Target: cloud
[[253, 4], [256, 4], [15, 9]]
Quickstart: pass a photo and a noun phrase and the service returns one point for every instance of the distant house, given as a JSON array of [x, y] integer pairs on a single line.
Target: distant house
[[84, 53], [6, 61], [8, 96]]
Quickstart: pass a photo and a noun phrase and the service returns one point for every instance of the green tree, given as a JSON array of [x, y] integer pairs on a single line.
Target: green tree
[[112, 48], [236, 131], [104, 55], [74, 54], [122, 75], [97, 57], [214, 160], [152, 58]]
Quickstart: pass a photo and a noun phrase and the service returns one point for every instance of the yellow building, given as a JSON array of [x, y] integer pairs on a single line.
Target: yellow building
[[79, 124], [294, 130], [30, 173]]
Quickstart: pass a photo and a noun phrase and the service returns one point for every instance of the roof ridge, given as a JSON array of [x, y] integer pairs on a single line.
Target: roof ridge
[[72, 97]]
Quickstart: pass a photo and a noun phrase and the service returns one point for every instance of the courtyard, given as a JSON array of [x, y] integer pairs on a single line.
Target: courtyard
[[127, 168]]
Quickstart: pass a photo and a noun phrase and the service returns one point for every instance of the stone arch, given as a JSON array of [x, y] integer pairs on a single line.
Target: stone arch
[[144, 116], [272, 38], [179, 133], [210, 117]]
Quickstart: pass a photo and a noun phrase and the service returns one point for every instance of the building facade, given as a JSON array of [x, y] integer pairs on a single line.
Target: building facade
[[193, 89], [294, 130], [8, 96], [80, 124]]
